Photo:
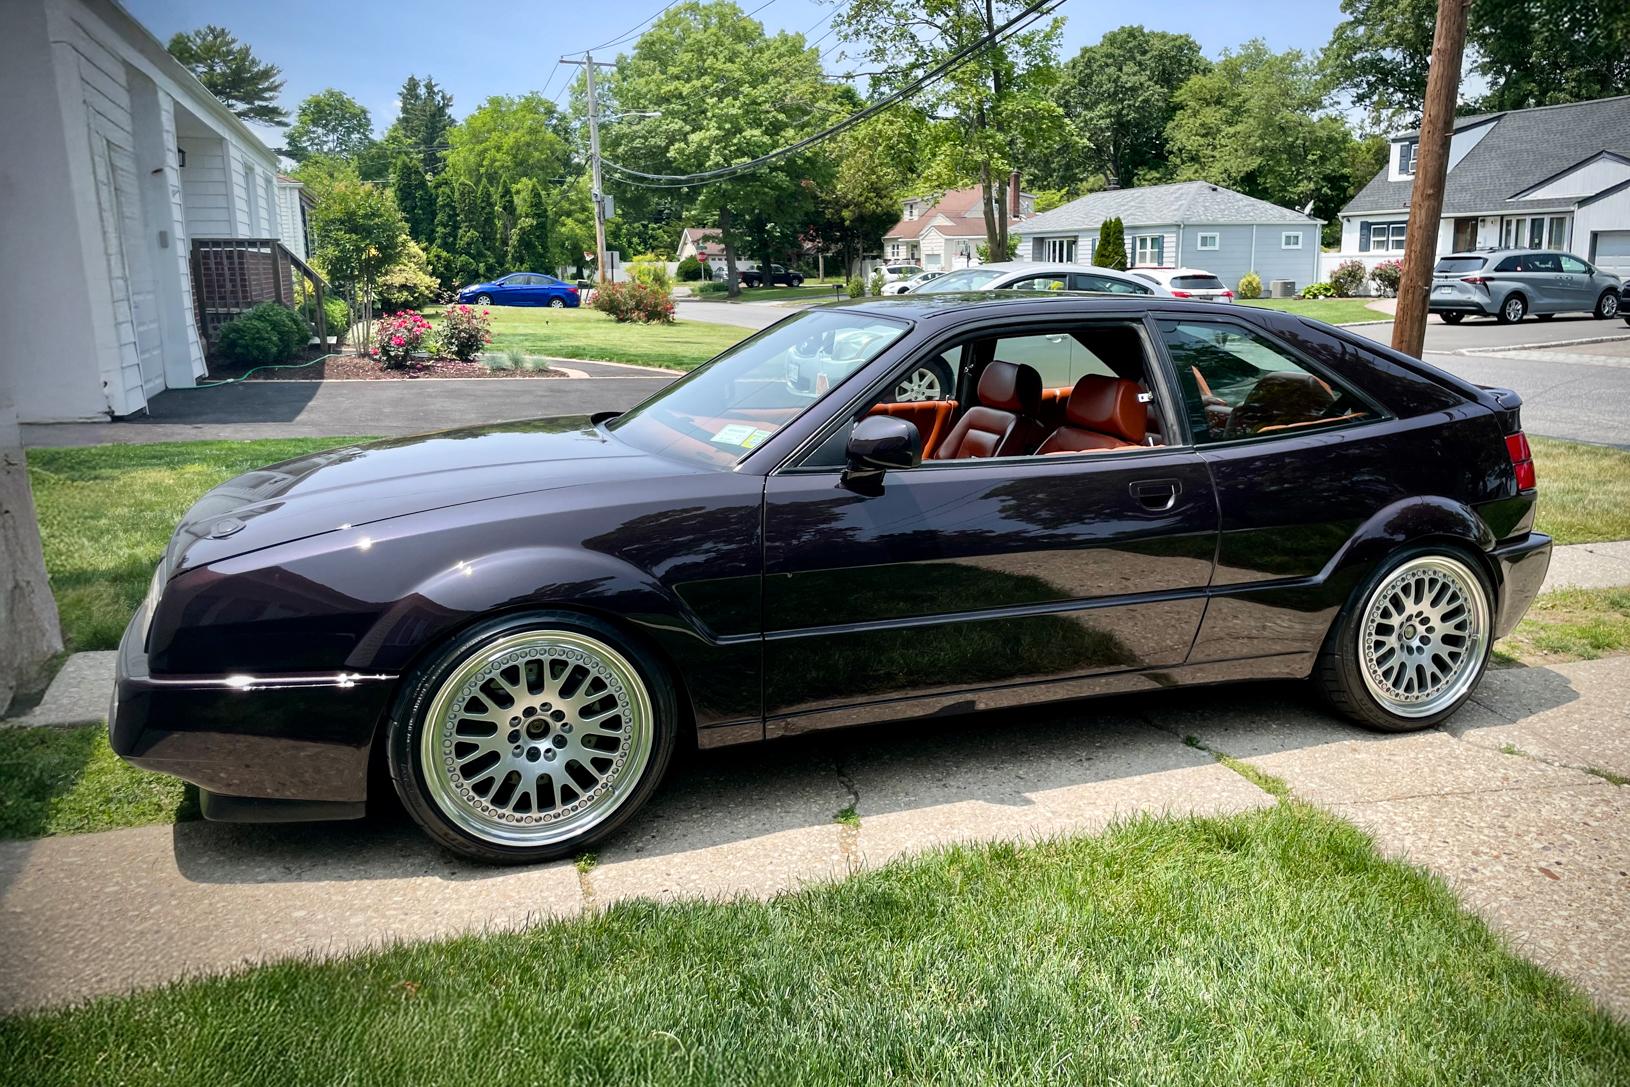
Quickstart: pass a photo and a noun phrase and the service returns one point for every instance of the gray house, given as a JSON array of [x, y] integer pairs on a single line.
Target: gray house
[[1188, 224], [1553, 177]]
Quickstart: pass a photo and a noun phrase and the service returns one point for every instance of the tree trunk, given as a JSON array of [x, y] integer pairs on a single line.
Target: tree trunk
[[28, 613], [729, 254], [991, 230]]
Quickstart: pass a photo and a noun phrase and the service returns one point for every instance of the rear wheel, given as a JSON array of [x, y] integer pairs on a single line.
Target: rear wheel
[[1411, 644], [530, 737], [557, 303], [1607, 306], [1513, 309], [1451, 318]]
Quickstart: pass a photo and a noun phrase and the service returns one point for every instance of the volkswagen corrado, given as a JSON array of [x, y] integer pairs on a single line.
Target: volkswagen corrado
[[517, 625]]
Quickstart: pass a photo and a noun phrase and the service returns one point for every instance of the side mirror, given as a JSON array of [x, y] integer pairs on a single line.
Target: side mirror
[[881, 443]]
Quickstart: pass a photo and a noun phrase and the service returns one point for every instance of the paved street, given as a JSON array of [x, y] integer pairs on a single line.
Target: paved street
[[1533, 842], [746, 314]]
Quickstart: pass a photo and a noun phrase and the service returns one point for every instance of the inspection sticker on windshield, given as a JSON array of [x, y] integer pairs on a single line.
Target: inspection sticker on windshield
[[741, 434]]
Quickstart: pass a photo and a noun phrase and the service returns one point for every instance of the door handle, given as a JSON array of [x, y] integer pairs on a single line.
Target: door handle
[[1158, 495]]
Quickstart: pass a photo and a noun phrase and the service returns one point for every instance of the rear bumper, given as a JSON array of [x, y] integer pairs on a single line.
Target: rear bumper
[[271, 737], [1522, 564], [1459, 305]]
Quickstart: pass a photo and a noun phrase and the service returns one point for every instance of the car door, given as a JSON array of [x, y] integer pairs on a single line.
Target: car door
[[1576, 283], [964, 584], [527, 290], [1542, 279], [1044, 281]]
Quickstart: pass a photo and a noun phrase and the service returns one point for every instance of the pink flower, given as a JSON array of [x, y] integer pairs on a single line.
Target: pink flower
[[397, 341]]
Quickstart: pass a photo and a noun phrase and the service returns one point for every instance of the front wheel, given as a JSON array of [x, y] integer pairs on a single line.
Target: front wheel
[[483, 299], [531, 737], [1451, 318], [1411, 644], [1513, 309], [1607, 306]]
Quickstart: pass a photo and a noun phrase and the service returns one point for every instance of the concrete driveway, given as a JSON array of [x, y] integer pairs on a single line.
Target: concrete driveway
[[1534, 842]]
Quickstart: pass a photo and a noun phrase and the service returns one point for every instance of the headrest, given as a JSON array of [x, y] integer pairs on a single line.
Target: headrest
[[1008, 386], [1107, 405]]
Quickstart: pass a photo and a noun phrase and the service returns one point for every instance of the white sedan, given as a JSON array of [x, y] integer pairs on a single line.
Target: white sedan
[[1015, 275], [1188, 283], [904, 286]]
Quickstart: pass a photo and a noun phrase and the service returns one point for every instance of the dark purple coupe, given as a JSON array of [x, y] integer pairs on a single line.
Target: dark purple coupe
[[521, 622]]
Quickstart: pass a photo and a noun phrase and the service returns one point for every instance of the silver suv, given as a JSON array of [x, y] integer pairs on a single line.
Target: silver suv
[[1509, 284]]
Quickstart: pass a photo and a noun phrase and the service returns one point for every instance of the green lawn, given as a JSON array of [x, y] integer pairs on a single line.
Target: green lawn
[[69, 781], [1274, 947], [1571, 625], [1332, 311], [588, 334], [1584, 491], [107, 511], [809, 292]]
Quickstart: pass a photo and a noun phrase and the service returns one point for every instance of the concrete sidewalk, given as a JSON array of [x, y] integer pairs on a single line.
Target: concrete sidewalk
[[1536, 843]]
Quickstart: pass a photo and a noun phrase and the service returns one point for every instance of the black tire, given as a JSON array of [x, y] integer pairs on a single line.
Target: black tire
[[557, 303], [420, 686], [1338, 676], [483, 299], [941, 374], [1544, 316], [797, 281], [1512, 310], [1451, 318], [1607, 306]]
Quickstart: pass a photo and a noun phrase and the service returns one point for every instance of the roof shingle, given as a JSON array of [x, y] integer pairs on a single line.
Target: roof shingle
[[1187, 202]]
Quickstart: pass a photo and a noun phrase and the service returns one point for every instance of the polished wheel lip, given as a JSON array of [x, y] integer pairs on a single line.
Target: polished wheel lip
[[922, 384], [475, 815], [1429, 618]]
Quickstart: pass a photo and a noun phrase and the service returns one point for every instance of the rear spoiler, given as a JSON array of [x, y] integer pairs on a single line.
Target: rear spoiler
[[1507, 405]]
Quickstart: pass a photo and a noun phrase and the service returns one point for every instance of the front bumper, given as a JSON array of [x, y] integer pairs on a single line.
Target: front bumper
[[273, 737], [1522, 564]]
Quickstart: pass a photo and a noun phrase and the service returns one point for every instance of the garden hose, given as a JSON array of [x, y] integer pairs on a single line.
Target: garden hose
[[255, 370]]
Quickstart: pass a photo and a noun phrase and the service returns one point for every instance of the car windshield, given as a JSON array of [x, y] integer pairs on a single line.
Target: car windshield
[[1456, 265], [1198, 283], [964, 279], [729, 407]]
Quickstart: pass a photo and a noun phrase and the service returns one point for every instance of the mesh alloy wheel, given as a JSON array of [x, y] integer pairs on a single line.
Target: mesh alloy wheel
[[536, 738], [1423, 636]]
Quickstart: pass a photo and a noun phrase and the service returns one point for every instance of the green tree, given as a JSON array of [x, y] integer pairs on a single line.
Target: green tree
[[229, 71], [423, 120], [446, 261], [1002, 104], [1546, 52], [1118, 98], [873, 165], [487, 254], [474, 217], [1260, 122], [776, 94], [415, 198], [1111, 249], [529, 243], [506, 139], [329, 123], [504, 218], [1378, 53], [358, 232]]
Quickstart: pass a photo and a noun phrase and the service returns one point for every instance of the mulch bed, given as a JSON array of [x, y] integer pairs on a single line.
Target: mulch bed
[[358, 367]]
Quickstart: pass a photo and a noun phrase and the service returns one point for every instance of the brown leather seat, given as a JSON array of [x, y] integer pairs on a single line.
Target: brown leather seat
[[1102, 413], [1003, 423]]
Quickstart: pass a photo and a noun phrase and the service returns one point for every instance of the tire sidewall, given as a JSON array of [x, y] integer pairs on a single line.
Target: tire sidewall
[[418, 690], [1608, 298], [1505, 312], [1341, 648]]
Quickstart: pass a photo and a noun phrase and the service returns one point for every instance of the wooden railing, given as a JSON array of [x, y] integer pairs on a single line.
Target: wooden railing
[[231, 276]]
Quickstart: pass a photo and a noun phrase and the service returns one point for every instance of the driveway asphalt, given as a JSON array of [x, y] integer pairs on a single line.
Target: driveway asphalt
[[1533, 841]]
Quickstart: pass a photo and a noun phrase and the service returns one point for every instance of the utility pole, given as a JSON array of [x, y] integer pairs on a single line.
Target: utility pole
[[1431, 168], [598, 195]]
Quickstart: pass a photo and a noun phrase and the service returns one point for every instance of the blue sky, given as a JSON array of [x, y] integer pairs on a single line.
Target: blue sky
[[367, 47]]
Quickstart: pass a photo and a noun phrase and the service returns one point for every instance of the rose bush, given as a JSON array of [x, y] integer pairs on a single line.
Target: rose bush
[[1347, 277], [464, 331], [1387, 275], [399, 337], [634, 301]]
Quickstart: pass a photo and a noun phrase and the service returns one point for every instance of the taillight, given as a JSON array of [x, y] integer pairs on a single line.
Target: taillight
[[1522, 460], [1478, 280], [1228, 294], [1181, 294]]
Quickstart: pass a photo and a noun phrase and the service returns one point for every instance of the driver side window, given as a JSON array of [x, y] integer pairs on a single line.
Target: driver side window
[[1238, 385]]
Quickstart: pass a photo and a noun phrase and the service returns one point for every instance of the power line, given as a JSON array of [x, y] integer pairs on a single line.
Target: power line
[[630, 176], [619, 39]]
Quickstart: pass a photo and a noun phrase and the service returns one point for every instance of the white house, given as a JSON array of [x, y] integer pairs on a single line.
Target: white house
[[945, 232], [117, 162], [1186, 224], [1554, 177]]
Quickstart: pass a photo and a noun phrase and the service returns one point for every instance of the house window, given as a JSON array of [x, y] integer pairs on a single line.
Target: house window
[[1150, 250], [1381, 237], [1208, 240], [1060, 250], [911, 211], [1290, 239], [1557, 233], [894, 249], [1406, 157]]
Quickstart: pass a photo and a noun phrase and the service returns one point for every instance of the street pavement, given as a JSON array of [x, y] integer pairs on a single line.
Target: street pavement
[[1533, 841]]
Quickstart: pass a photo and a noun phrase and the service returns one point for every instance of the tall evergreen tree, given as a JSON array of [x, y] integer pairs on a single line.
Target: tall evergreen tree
[[529, 240], [230, 72], [470, 252], [1111, 249], [443, 254], [415, 199], [487, 254], [422, 122], [503, 220]]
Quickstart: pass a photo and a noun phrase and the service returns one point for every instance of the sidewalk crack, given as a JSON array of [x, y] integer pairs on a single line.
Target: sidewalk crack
[[848, 817]]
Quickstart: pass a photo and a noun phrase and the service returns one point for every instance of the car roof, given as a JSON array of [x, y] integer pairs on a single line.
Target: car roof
[[913, 307]]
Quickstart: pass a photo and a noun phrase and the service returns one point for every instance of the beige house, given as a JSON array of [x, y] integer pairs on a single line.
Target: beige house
[[945, 231]]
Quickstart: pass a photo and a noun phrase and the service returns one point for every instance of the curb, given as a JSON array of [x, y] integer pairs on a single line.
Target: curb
[[1537, 346]]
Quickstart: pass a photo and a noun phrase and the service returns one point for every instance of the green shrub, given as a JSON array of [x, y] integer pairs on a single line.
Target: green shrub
[[855, 288], [1347, 277], [1318, 290], [1387, 275], [634, 301], [690, 270], [292, 331], [651, 273], [336, 314], [877, 282], [246, 342], [407, 284], [1250, 286], [464, 333], [712, 287]]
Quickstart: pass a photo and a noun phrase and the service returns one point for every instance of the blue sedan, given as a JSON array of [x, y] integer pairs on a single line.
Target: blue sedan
[[522, 289]]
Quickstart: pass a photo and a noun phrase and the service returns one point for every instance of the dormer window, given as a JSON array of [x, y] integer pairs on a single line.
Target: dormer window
[[1406, 157], [911, 211]]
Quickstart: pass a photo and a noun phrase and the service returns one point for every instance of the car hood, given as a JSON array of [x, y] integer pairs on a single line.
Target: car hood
[[363, 484]]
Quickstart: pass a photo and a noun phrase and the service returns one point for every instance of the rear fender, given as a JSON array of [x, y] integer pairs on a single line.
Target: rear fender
[[1407, 523]]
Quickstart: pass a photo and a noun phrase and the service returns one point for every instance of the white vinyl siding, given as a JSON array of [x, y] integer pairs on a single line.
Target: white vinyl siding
[[204, 191]]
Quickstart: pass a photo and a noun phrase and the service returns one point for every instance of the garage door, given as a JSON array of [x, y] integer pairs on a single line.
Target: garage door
[[1612, 251]]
